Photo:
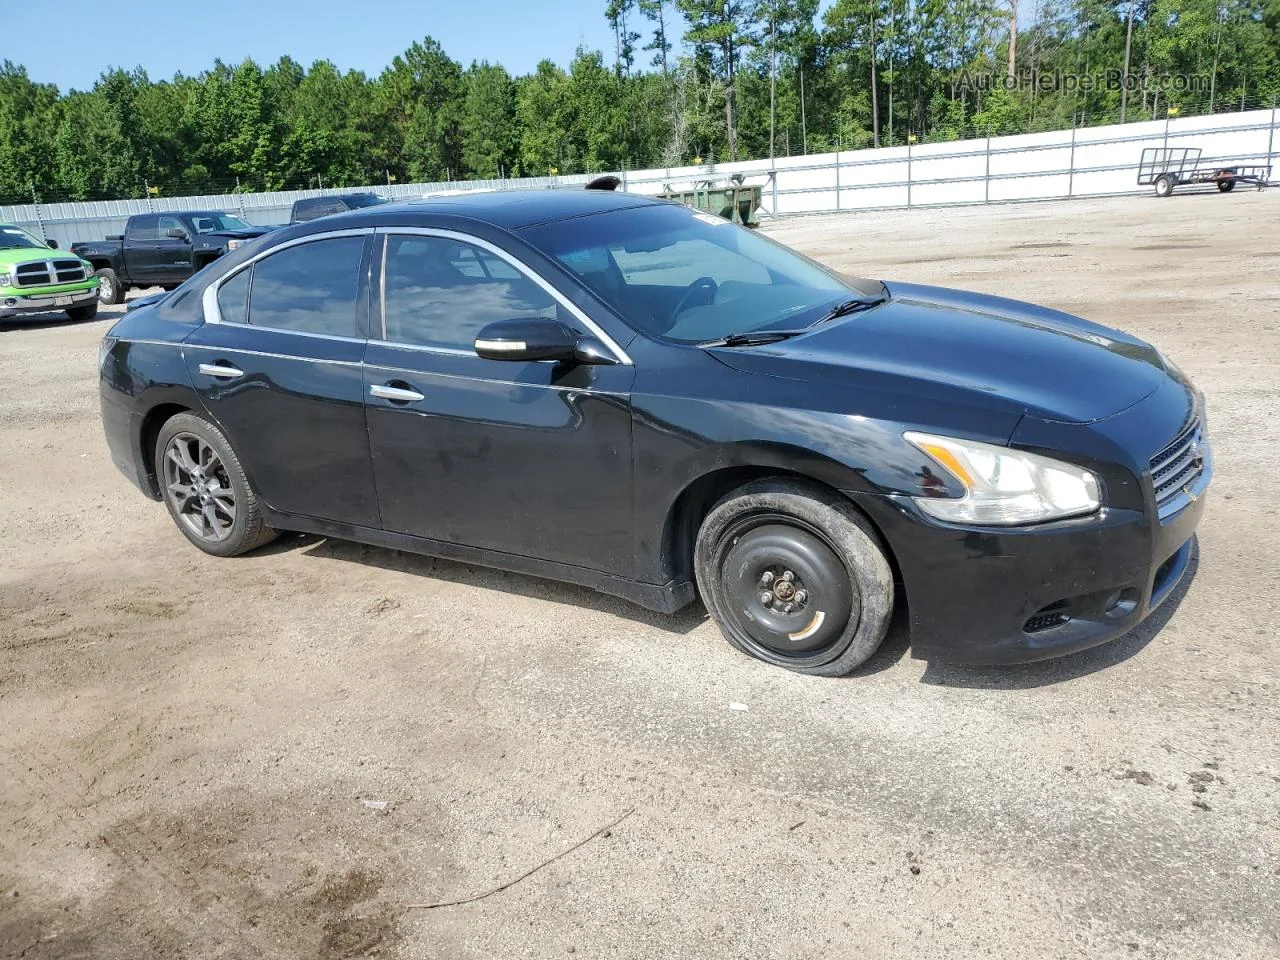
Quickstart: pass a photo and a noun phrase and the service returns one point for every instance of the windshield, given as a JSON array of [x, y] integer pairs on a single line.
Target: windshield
[[690, 277], [217, 222], [15, 238], [358, 200]]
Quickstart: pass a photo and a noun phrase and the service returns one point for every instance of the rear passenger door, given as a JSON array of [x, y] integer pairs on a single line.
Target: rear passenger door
[[526, 458], [141, 250], [277, 364]]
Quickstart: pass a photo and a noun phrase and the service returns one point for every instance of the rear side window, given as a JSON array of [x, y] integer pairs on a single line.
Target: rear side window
[[233, 298], [310, 288], [440, 292], [143, 228]]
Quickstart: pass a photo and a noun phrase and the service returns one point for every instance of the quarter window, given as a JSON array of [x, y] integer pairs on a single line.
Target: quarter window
[[310, 288], [441, 292], [233, 298]]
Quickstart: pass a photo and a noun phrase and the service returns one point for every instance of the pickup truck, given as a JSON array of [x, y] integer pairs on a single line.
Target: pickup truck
[[34, 279], [313, 208], [163, 249]]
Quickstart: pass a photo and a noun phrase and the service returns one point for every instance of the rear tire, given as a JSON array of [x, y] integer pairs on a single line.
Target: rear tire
[[793, 575], [1164, 185], [110, 290], [1226, 186], [206, 490], [83, 314]]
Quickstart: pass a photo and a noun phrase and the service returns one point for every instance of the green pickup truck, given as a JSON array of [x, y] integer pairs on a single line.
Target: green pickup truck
[[35, 279]]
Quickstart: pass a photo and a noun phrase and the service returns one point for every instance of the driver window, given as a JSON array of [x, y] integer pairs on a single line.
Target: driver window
[[440, 292], [680, 263], [170, 223]]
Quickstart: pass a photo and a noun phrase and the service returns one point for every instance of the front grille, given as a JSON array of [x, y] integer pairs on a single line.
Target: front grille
[[48, 272], [33, 275], [1046, 621], [1179, 464], [69, 271]]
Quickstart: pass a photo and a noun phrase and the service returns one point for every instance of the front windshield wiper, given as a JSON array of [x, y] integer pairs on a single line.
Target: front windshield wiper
[[848, 307], [752, 338]]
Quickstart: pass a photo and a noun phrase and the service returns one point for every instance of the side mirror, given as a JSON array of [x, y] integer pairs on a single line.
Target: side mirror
[[53, 244], [537, 339], [177, 233]]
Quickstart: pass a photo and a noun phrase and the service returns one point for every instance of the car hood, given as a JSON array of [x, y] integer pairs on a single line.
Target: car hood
[[32, 255], [1043, 361], [237, 234]]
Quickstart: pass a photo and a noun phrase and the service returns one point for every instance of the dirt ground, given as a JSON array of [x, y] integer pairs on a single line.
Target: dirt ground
[[188, 743]]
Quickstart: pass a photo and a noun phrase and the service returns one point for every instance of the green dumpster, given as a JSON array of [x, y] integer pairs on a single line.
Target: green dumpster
[[737, 203]]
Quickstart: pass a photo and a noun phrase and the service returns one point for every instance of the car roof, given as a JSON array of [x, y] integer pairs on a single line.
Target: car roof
[[187, 213], [514, 209]]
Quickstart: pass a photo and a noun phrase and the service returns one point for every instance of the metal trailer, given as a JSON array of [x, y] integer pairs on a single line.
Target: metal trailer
[[1169, 167]]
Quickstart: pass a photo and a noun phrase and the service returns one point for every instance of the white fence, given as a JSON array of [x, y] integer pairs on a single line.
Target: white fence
[[1085, 162]]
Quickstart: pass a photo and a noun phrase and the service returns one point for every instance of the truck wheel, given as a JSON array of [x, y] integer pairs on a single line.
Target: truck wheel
[[110, 290], [1226, 186], [1164, 185], [83, 314], [794, 576]]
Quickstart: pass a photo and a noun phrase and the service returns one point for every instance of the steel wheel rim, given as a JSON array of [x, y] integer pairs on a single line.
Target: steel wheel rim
[[744, 619], [198, 488], [104, 288]]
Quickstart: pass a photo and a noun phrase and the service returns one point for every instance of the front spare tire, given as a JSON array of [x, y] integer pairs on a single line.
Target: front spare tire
[[794, 575]]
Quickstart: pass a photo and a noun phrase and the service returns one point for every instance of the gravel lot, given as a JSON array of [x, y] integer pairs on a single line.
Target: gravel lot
[[188, 742]]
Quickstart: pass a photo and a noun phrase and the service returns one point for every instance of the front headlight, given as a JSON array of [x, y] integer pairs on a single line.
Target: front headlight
[[1003, 486]]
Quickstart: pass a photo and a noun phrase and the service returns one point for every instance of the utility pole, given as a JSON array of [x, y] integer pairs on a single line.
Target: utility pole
[[1013, 38], [773, 74], [1128, 46]]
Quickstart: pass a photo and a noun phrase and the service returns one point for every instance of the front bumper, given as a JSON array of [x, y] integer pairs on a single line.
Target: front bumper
[[1005, 595], [14, 304], [984, 596]]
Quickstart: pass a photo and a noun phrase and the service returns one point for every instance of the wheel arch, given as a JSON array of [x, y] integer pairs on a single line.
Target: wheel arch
[[695, 500], [152, 423]]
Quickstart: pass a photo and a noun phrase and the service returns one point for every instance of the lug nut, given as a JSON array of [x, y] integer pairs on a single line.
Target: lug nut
[[766, 578], [801, 596], [766, 598], [788, 608], [788, 575]]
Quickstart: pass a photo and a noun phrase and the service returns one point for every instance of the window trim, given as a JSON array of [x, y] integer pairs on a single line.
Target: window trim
[[380, 328], [210, 296]]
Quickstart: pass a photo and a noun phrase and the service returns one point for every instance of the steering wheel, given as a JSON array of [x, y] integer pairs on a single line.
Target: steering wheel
[[702, 283]]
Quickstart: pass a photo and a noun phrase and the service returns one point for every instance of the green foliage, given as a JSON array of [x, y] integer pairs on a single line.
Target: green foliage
[[725, 79]]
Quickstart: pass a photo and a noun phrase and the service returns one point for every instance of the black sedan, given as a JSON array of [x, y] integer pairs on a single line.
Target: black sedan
[[623, 393]]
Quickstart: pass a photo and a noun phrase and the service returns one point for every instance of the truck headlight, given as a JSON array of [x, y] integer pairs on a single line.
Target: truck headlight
[[1004, 486]]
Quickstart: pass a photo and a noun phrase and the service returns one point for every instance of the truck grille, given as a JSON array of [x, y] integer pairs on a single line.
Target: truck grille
[[48, 273], [1179, 464]]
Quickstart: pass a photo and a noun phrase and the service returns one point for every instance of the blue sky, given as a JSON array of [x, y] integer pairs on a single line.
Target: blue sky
[[71, 42]]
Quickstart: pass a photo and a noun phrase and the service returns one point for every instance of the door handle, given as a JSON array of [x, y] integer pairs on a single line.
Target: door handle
[[223, 371], [395, 394]]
